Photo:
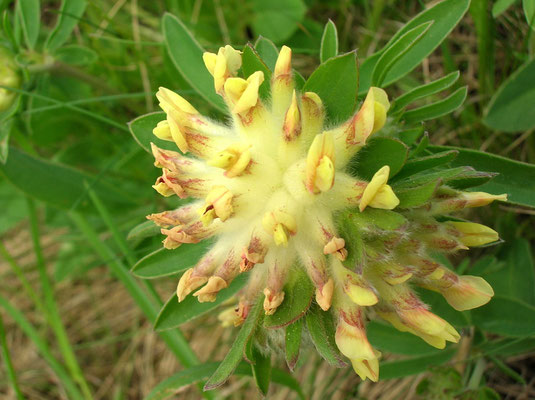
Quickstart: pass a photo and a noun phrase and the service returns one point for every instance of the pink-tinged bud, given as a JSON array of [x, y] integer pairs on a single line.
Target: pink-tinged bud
[[242, 95], [444, 241], [169, 184], [394, 319], [244, 306], [320, 169], [292, 120], [351, 337], [209, 291], [176, 237], [394, 273], [178, 111], [377, 193], [472, 234], [367, 369], [282, 82], [272, 301], [188, 283], [468, 293], [324, 295], [336, 246], [218, 205], [253, 254], [222, 65], [180, 216], [464, 200], [281, 225], [234, 159], [422, 320]]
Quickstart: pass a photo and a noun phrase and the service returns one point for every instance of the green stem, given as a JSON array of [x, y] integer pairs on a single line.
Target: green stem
[[7, 360], [52, 308], [65, 379], [173, 338], [477, 374], [20, 275]]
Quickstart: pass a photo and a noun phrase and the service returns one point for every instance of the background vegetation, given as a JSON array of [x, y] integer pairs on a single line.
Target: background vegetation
[[75, 187]]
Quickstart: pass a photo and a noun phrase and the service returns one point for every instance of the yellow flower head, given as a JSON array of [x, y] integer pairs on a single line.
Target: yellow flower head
[[274, 193]]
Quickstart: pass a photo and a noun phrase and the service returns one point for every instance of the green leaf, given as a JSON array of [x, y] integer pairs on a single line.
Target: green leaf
[[335, 81], [445, 16], [321, 329], [234, 356], [329, 42], [277, 19], [383, 219], [267, 51], [186, 54], [423, 178], [69, 14], [174, 314], [410, 136], [261, 370], [396, 50], [30, 18], [293, 342], [423, 91], [164, 262], [142, 231], [416, 165], [387, 338], [512, 178], [298, 297], [141, 129], [500, 6], [437, 109], [55, 184], [529, 11], [505, 316], [508, 347], [521, 271], [170, 386], [251, 62], [76, 55], [416, 196], [510, 109], [415, 365], [377, 153]]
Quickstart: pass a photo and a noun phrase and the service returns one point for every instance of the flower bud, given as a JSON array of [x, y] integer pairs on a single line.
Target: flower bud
[[234, 159], [281, 225], [243, 94], [468, 293], [292, 120], [320, 164], [272, 301], [472, 234], [209, 291], [223, 65], [218, 205], [188, 283], [377, 193]]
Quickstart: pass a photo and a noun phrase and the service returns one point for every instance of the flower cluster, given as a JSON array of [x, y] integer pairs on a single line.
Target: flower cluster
[[273, 190]]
